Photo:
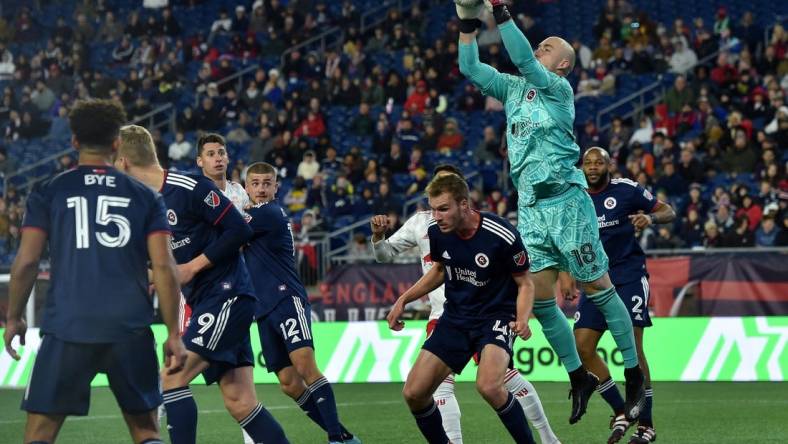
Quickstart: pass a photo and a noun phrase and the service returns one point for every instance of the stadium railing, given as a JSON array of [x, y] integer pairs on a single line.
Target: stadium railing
[[238, 76], [330, 38]]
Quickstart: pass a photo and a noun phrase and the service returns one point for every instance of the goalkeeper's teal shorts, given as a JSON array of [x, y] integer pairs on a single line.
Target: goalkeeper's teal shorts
[[561, 232]]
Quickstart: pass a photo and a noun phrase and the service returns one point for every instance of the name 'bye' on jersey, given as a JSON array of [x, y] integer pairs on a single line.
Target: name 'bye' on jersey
[[478, 279], [198, 214], [97, 221], [613, 204], [270, 256]]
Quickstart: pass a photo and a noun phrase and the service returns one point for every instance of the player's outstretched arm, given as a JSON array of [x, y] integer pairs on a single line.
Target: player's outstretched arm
[[485, 77], [165, 279], [23, 276], [428, 282], [525, 304], [518, 47], [662, 213], [385, 250]]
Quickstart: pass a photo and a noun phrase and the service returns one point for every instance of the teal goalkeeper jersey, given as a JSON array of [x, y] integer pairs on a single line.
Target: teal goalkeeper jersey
[[540, 111]]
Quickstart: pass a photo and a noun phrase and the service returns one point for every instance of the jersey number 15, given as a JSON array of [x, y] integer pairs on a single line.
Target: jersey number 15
[[103, 217]]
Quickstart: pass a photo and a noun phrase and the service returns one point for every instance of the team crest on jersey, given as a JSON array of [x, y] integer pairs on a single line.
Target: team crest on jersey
[[247, 217], [212, 199], [530, 95], [610, 203], [648, 195], [520, 258], [172, 218], [482, 260], [227, 286]]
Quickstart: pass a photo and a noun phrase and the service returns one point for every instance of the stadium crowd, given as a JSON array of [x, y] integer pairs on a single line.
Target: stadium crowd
[[356, 129]]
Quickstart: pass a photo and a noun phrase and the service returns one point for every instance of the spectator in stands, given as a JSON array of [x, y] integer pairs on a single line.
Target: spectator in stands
[[385, 200], [690, 168], [7, 165], [673, 184], [488, 148], [641, 159], [666, 240], [644, 133], [208, 118], [7, 67], [767, 232], [417, 100], [451, 138], [406, 133], [751, 209], [692, 229], [180, 148], [679, 95], [110, 30], [711, 235], [683, 58], [261, 145], [395, 162], [740, 234], [362, 124], [740, 157], [309, 167], [724, 74]]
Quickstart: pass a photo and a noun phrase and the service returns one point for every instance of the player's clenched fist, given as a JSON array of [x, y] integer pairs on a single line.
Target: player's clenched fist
[[378, 224], [521, 329], [468, 9]]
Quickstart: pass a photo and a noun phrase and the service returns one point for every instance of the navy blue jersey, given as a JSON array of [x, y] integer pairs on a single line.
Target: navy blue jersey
[[621, 198], [478, 270], [271, 256], [198, 213], [97, 221]]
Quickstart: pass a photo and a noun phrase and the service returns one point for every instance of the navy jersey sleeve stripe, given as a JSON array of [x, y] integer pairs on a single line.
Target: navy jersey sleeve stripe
[[221, 216]]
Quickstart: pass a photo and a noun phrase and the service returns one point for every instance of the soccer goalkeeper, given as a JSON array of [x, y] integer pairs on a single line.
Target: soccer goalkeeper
[[556, 217]]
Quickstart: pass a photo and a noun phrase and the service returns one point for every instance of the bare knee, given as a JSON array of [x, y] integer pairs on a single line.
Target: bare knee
[[415, 397], [239, 404], [492, 391], [292, 388]]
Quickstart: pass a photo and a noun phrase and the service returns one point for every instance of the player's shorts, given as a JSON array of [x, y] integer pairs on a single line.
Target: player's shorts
[[635, 295], [60, 381], [561, 232], [219, 332], [455, 346], [284, 330]]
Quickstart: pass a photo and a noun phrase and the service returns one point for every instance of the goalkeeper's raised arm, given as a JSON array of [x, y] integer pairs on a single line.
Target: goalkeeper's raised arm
[[489, 81]]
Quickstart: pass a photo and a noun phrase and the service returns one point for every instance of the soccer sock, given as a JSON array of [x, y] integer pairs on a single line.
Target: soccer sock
[[181, 415], [611, 395], [152, 441], [262, 427], [430, 424], [513, 418], [327, 406], [450, 410], [618, 322], [307, 403], [525, 393], [645, 414], [558, 333]]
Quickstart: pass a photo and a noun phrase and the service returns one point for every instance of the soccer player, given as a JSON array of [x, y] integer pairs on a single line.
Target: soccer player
[[284, 318], [555, 215], [489, 295], [622, 207], [207, 236], [213, 161], [413, 234], [101, 227]]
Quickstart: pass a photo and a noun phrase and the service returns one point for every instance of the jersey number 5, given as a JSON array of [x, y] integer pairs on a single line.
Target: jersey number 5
[[103, 217]]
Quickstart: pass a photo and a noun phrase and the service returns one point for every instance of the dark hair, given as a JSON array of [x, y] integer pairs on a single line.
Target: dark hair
[[209, 138], [96, 123], [448, 167]]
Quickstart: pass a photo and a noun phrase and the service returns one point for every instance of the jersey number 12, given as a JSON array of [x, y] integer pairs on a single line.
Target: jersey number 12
[[103, 217]]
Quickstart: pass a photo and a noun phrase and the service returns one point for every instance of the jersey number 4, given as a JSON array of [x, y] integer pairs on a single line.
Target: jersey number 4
[[103, 217]]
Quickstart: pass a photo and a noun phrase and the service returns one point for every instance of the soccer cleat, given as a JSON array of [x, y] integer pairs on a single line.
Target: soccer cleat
[[352, 440], [636, 393], [618, 427], [580, 393], [644, 435]]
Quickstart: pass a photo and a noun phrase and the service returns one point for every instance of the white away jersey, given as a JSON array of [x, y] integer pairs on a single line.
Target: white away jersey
[[237, 195], [413, 234]]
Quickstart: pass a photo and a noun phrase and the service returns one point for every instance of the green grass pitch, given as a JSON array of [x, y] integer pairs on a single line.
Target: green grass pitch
[[683, 413]]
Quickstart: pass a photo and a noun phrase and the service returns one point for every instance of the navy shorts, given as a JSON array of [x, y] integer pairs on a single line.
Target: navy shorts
[[455, 345], [60, 381], [218, 331], [635, 295], [283, 330]]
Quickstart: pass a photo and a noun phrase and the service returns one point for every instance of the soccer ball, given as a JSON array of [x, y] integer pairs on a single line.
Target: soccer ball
[[468, 9]]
